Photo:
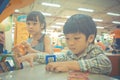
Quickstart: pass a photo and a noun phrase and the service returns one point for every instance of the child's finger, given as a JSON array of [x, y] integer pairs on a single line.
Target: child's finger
[[61, 69], [50, 67], [30, 61]]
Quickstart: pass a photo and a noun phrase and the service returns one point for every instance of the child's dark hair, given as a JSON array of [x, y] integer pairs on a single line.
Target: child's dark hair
[[32, 16], [80, 23]]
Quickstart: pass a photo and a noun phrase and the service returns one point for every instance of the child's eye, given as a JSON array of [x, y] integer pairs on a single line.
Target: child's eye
[[28, 23], [67, 38], [34, 23], [76, 38]]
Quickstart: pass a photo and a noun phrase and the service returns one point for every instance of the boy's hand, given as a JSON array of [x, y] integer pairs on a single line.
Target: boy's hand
[[29, 58], [57, 67]]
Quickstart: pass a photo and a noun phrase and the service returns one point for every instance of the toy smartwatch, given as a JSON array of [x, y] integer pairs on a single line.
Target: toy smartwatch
[[50, 58]]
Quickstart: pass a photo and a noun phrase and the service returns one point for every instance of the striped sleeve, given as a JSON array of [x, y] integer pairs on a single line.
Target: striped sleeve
[[99, 64], [41, 58]]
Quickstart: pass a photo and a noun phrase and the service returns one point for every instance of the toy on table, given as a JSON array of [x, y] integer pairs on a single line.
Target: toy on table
[[8, 62], [77, 75], [50, 58]]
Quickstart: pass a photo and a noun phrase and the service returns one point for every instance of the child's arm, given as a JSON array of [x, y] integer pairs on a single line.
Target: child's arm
[[63, 66], [99, 64], [29, 58]]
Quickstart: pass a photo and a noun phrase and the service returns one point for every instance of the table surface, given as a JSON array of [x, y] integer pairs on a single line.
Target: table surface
[[38, 72]]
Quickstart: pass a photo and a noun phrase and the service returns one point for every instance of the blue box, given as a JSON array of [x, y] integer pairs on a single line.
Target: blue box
[[50, 56]]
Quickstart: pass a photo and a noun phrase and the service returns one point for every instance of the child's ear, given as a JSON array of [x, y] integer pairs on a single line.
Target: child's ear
[[91, 38]]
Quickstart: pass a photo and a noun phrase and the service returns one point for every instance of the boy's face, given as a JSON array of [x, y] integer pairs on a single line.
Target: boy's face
[[76, 42]]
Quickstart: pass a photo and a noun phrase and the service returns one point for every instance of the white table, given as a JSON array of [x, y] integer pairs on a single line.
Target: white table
[[38, 72]]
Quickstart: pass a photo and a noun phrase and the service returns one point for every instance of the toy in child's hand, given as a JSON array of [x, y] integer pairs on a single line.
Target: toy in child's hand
[[19, 50], [75, 75]]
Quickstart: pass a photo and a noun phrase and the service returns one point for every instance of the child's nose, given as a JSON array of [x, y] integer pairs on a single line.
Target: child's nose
[[71, 42], [30, 26]]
